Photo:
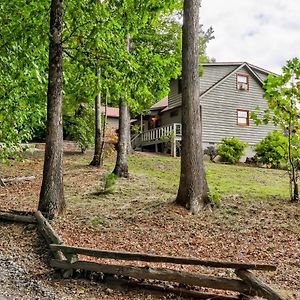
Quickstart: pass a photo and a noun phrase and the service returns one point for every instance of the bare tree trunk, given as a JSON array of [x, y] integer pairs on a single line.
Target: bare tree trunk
[[294, 190], [128, 136], [121, 168], [193, 189], [104, 130], [129, 146], [52, 200], [124, 144], [96, 162]]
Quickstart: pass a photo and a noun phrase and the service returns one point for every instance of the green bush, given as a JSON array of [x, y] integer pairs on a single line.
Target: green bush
[[214, 197], [231, 150], [272, 150], [109, 182]]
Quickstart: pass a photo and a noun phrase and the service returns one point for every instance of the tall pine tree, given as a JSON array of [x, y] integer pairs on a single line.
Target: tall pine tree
[[52, 200], [193, 188]]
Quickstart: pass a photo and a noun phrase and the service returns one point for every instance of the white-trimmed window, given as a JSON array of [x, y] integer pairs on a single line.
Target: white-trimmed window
[[243, 117], [242, 82]]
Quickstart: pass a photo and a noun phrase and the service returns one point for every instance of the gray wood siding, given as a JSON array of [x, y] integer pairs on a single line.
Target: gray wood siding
[[262, 75], [220, 105], [174, 97], [219, 111], [211, 75], [166, 118]]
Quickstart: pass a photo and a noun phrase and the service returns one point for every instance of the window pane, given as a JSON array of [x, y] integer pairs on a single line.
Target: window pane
[[242, 114], [242, 79], [242, 121]]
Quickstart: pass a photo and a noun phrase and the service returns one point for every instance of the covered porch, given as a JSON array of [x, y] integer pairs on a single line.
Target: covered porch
[[168, 135]]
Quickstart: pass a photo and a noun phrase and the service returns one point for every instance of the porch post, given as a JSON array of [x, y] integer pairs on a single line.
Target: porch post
[[173, 141], [141, 123]]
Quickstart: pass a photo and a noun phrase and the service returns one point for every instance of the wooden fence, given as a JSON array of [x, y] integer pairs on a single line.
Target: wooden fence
[[66, 259]]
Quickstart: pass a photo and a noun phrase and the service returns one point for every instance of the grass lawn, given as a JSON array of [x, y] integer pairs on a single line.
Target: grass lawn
[[248, 183], [255, 221]]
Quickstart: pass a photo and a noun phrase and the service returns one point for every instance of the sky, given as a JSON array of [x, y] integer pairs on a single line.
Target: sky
[[265, 33]]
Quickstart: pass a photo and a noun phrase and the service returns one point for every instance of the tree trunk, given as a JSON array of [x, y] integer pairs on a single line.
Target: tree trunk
[[128, 136], [124, 144], [294, 191], [121, 168], [96, 162], [52, 200], [129, 146], [193, 189], [104, 130]]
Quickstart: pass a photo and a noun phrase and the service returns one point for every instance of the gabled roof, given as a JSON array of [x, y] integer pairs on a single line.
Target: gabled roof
[[238, 67], [238, 64], [161, 104], [217, 72]]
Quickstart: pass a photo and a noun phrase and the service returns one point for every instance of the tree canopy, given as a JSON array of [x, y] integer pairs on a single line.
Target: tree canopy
[[282, 93], [94, 36]]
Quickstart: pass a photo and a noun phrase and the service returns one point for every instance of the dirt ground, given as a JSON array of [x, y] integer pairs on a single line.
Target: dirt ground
[[140, 216]]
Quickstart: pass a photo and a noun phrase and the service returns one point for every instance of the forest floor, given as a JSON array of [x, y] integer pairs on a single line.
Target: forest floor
[[255, 222]]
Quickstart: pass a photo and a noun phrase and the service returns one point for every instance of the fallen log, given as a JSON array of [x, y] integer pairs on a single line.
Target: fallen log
[[157, 274], [159, 258], [258, 286], [17, 218], [17, 179]]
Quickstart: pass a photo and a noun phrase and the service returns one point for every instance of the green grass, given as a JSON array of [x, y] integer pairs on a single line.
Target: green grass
[[249, 183], [153, 183]]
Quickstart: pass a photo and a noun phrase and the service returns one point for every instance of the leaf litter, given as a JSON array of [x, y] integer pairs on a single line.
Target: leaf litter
[[140, 216]]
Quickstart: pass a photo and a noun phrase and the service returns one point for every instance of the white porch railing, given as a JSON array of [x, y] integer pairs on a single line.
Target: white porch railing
[[159, 133]]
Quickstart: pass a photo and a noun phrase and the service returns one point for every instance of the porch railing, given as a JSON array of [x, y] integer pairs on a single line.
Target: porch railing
[[161, 132]]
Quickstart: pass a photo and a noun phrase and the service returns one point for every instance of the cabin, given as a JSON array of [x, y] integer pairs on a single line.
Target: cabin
[[228, 93], [112, 116]]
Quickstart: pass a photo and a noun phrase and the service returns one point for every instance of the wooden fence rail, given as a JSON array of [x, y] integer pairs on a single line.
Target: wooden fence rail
[[257, 285], [52, 237], [7, 216], [159, 274], [133, 256], [66, 260], [248, 285]]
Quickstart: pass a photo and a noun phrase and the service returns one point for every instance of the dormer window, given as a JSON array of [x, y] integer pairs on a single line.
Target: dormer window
[[242, 82]]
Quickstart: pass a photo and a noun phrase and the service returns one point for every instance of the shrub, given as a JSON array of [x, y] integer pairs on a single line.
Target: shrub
[[214, 197], [231, 149], [109, 182], [136, 128], [111, 141], [272, 150], [167, 143]]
